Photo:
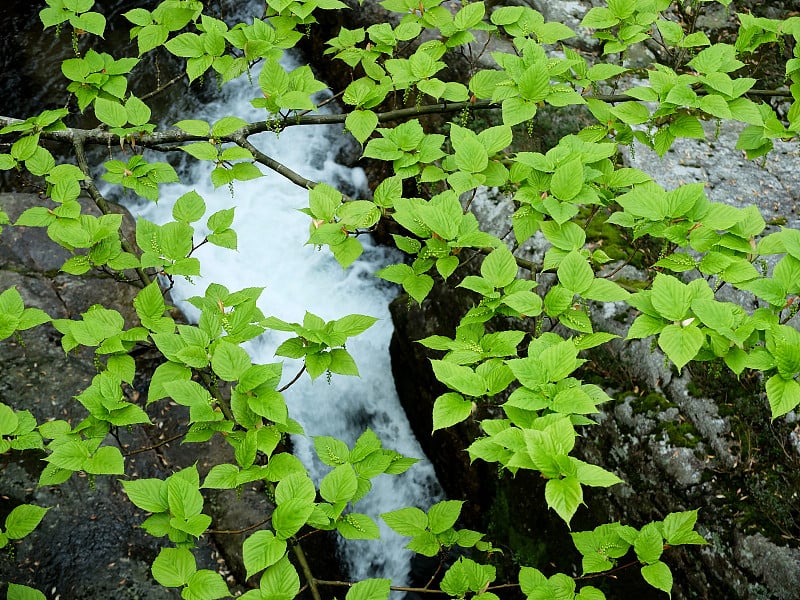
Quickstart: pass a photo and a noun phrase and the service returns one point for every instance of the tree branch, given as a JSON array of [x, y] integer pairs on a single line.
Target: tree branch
[[241, 139], [306, 568], [175, 136], [417, 590], [238, 531]]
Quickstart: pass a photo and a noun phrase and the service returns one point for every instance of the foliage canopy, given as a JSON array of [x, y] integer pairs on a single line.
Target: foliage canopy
[[527, 373]]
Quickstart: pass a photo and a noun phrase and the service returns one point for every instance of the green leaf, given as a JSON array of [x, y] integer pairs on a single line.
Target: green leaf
[[361, 123], [409, 521], [71, 455], [470, 155], [677, 262], [25, 147], [460, 378], [147, 494], [649, 545], [340, 485], [226, 126], [205, 585], [449, 409], [534, 83], [261, 550], [342, 363], [418, 286], [23, 519], [631, 113], [36, 216], [110, 112], [659, 576], [92, 22], [575, 274], [9, 421], [194, 127], [499, 268], [245, 171], [605, 290], [201, 150], [681, 344], [783, 395], [331, 451], [567, 180], [173, 567], [678, 528], [594, 475], [517, 110], [599, 18], [564, 496], [166, 373], [149, 305], [355, 526], [370, 589], [280, 581], [443, 515], [670, 297], [528, 304], [289, 517], [23, 592], [221, 220], [295, 485], [186, 45], [229, 361]]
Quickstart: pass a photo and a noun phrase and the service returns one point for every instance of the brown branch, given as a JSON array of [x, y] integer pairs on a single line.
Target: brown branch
[[241, 139], [161, 88], [294, 379], [306, 568], [237, 531], [212, 386], [154, 446], [175, 136], [417, 590]]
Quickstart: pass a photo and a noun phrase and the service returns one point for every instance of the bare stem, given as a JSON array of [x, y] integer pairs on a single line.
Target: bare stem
[[154, 446], [237, 531], [294, 379], [312, 582]]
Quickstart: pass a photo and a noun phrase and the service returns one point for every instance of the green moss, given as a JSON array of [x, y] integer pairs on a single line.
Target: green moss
[[653, 402], [694, 390], [682, 435]]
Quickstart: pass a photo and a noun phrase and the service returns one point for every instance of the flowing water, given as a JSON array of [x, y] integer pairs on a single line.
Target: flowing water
[[297, 277]]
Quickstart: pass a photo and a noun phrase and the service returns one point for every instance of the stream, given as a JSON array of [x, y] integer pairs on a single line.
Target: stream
[[298, 277]]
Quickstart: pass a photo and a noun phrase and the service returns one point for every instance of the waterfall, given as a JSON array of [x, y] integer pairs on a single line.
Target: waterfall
[[297, 277]]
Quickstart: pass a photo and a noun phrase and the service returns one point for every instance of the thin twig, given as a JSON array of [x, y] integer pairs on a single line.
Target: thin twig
[[160, 89], [294, 379], [237, 531], [174, 136], [154, 446], [267, 161], [213, 387], [621, 265], [306, 568]]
